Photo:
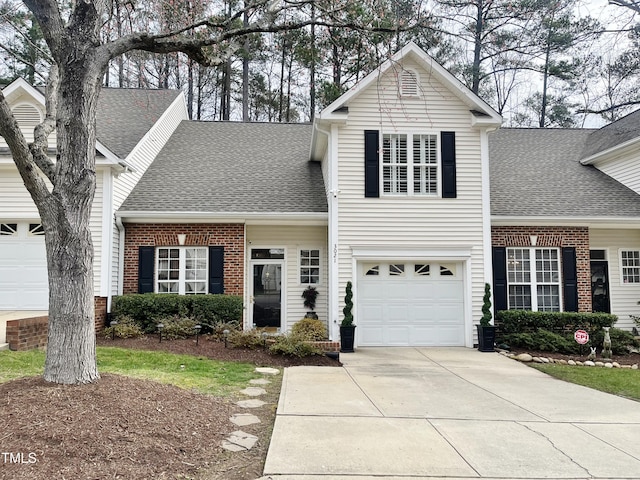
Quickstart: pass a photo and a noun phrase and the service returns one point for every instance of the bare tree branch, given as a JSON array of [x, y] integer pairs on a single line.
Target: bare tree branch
[[630, 4], [609, 109], [41, 133]]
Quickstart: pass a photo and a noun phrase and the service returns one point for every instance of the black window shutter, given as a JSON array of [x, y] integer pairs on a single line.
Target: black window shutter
[[216, 269], [499, 279], [448, 157], [570, 279], [371, 163], [145, 269]]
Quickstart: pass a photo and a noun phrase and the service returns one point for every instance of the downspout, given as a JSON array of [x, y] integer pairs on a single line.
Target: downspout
[[120, 257], [332, 226]]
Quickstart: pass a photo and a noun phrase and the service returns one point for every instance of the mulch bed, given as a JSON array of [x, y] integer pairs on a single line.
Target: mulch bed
[[126, 428]]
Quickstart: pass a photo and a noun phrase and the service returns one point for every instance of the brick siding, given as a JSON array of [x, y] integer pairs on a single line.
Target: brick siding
[[30, 333], [230, 236], [577, 237]]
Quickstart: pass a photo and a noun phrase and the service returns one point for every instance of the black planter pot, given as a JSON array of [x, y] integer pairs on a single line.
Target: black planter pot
[[486, 338], [347, 338]]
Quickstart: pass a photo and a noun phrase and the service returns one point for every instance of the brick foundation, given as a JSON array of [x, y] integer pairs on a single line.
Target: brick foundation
[[577, 237], [230, 236], [30, 333]]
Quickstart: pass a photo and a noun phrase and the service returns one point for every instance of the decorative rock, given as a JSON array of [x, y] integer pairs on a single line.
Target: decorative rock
[[267, 371], [239, 441], [634, 366], [599, 364], [259, 381], [253, 391], [626, 367], [562, 361], [608, 365], [579, 363], [572, 363], [537, 359], [253, 403], [545, 360], [616, 365], [524, 357], [243, 419], [589, 363]]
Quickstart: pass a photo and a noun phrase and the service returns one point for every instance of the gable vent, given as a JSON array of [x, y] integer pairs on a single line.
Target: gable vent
[[408, 84], [27, 115]]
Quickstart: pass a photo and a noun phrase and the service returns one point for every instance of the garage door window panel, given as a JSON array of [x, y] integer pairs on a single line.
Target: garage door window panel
[[8, 229], [542, 276]]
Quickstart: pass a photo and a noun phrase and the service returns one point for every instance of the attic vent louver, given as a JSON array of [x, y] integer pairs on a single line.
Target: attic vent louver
[[27, 115], [408, 84]]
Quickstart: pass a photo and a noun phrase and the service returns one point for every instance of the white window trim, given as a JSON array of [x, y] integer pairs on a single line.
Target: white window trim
[[300, 266], [410, 164], [533, 283], [182, 269], [621, 267]]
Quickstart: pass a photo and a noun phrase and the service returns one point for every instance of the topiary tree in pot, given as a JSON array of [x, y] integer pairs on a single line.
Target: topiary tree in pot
[[486, 331], [347, 328]]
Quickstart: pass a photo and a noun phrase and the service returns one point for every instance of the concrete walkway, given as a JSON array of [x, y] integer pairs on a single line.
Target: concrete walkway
[[455, 413]]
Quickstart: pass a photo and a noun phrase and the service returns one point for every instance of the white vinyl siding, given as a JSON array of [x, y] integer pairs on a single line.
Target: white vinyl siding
[[294, 239], [29, 113], [424, 221], [625, 169], [624, 296], [16, 203]]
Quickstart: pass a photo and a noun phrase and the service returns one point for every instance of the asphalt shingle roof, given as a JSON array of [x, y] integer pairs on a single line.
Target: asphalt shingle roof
[[228, 167], [616, 133], [125, 115], [537, 172]]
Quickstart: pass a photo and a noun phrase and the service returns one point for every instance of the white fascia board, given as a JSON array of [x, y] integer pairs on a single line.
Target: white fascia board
[[429, 64], [613, 151], [319, 141], [384, 252], [179, 99], [273, 218], [596, 222], [13, 90]]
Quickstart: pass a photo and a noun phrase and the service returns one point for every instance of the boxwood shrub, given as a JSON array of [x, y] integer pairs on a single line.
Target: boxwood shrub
[[209, 310], [526, 321]]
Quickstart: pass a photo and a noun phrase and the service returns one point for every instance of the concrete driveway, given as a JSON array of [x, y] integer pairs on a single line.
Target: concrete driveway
[[447, 413]]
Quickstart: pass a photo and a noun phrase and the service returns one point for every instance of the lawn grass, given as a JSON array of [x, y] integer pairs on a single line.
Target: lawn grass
[[185, 371], [622, 382]]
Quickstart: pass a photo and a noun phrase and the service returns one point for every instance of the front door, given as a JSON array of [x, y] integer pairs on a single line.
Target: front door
[[600, 286], [266, 297]]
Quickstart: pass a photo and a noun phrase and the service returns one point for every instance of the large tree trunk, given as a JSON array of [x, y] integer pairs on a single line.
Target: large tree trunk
[[71, 345]]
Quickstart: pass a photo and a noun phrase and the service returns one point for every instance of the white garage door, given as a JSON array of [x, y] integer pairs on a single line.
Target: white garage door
[[23, 267], [410, 304]]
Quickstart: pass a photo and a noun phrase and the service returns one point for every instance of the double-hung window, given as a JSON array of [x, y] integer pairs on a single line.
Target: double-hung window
[[410, 164], [630, 264], [533, 277], [309, 267], [182, 270]]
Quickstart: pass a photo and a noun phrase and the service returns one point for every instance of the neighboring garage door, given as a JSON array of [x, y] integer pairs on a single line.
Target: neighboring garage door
[[23, 267], [410, 304]]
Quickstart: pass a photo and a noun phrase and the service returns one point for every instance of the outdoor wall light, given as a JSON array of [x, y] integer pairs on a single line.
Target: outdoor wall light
[[113, 324], [160, 326], [225, 333], [264, 339], [197, 328]]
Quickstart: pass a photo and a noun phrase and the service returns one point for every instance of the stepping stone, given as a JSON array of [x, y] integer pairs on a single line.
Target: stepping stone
[[253, 403], [239, 441], [259, 381], [243, 419], [267, 371], [253, 391]]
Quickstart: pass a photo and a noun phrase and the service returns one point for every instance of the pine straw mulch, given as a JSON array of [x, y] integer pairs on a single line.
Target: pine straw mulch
[[126, 428]]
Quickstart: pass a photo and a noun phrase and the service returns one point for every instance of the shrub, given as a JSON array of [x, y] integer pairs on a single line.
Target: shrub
[[310, 329], [526, 321], [486, 306], [217, 333], [208, 310], [542, 340], [176, 327], [126, 328], [293, 346], [347, 321], [251, 339]]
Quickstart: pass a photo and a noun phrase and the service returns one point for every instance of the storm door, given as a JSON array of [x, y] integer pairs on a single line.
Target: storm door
[[599, 282], [266, 288]]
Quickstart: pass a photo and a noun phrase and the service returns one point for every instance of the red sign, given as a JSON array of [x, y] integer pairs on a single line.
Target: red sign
[[581, 337]]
